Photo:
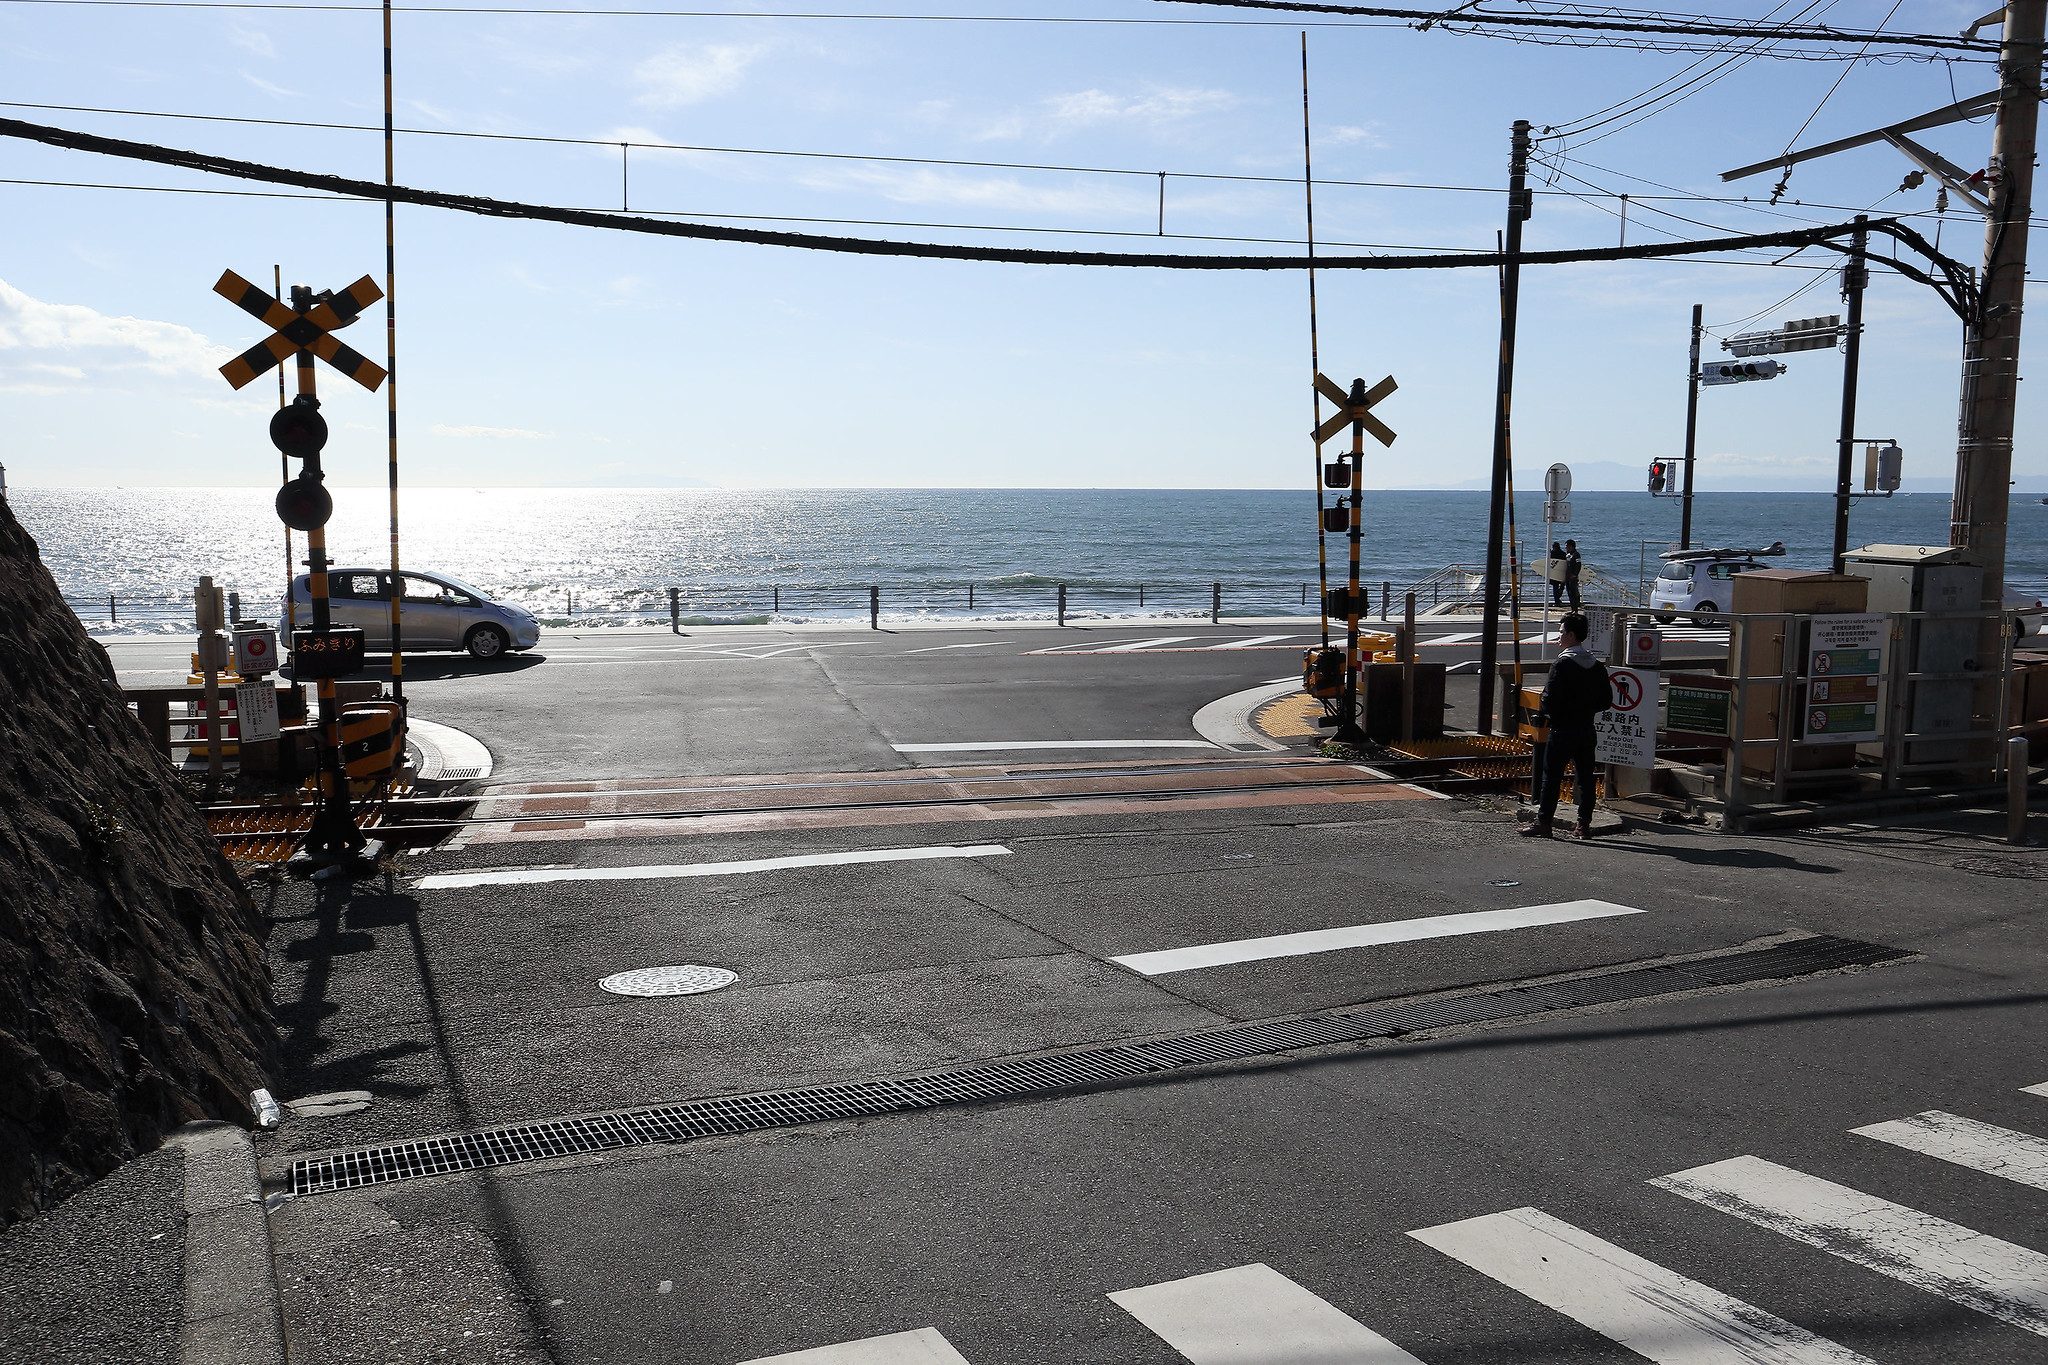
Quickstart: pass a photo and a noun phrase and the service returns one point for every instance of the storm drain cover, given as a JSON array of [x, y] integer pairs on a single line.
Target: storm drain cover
[[688, 979]]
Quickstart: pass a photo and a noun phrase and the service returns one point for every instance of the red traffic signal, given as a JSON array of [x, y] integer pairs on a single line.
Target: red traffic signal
[[299, 430], [304, 504], [1659, 477]]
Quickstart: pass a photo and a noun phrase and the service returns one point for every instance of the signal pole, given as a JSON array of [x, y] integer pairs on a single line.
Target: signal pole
[[1510, 289], [1855, 275], [334, 836], [1991, 347], [1692, 426]]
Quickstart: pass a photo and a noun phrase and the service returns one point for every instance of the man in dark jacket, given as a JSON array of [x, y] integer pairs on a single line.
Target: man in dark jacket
[[1573, 564], [1576, 692]]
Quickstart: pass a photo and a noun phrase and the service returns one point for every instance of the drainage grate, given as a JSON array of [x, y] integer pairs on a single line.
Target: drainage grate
[[1014, 1077]]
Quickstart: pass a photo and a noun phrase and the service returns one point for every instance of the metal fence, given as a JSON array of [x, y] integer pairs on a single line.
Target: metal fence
[[1454, 588]]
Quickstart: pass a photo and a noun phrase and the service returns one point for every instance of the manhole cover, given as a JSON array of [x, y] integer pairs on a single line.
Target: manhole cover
[[1503, 883], [2003, 867], [689, 979]]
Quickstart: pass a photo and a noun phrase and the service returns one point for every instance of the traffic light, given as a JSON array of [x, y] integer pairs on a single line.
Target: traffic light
[[1740, 371], [1659, 476], [304, 504], [299, 430]]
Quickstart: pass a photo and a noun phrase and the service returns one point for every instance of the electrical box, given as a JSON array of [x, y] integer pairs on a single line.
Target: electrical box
[[1930, 578], [1767, 592]]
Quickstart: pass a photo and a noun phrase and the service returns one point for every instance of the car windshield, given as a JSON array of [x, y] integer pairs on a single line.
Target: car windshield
[[1677, 573], [463, 587]]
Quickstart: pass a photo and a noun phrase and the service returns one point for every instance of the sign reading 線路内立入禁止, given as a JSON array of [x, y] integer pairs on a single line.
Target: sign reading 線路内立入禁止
[[1844, 660], [1626, 733]]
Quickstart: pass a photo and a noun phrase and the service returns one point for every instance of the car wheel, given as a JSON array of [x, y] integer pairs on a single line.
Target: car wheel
[[1664, 618], [1706, 609], [486, 642]]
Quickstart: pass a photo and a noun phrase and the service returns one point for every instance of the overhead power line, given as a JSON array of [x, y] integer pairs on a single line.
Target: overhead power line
[[1623, 22], [500, 208], [1676, 195]]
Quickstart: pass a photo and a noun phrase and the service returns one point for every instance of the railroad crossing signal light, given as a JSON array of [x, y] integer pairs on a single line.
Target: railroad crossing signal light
[[299, 430], [1660, 476], [1740, 371], [304, 504]]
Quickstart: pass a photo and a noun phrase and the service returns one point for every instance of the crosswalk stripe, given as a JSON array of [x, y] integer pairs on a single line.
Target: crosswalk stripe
[[1249, 641], [923, 1347], [975, 745], [530, 876], [1144, 644], [1995, 1277], [1254, 1315], [1653, 1311], [2041, 1089], [1168, 960], [1966, 1142]]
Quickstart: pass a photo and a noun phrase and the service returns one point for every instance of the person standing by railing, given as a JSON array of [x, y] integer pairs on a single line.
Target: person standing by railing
[[1573, 566]]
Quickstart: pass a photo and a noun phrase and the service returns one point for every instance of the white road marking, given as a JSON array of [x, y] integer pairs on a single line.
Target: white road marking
[[1077, 646], [1145, 644], [1410, 786], [923, 1347], [530, 876], [1980, 1146], [1254, 1315], [978, 644], [1250, 641], [2041, 1089], [1053, 744], [1979, 1271], [1652, 1311], [1458, 639], [1365, 936]]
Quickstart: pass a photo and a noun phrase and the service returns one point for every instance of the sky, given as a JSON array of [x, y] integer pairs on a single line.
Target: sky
[[541, 354]]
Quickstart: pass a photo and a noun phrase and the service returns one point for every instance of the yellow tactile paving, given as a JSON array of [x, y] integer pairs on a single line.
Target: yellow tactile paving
[[1289, 717]]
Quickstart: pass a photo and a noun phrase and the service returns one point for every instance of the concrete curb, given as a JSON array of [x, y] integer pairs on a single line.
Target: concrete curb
[[1227, 721], [232, 1315]]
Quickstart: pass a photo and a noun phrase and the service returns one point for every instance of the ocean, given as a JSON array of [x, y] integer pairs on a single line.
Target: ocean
[[609, 556]]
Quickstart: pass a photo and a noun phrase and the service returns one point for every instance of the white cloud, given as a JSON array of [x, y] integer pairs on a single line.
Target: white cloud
[[689, 73], [491, 433], [69, 341], [269, 87], [1353, 135], [253, 40], [1160, 104], [925, 185]]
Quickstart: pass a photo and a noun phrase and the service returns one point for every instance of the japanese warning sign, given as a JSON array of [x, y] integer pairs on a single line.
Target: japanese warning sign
[[1844, 660], [1626, 734]]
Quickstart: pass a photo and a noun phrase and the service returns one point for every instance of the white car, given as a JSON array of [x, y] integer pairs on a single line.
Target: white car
[[1698, 580], [435, 612], [2032, 614]]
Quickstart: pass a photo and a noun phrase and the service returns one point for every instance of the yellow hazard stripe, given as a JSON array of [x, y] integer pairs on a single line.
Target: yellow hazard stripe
[[256, 302], [351, 363]]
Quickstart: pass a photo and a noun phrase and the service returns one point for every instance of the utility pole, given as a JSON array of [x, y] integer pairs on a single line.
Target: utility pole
[[1519, 200], [1855, 276], [1692, 425], [1991, 347]]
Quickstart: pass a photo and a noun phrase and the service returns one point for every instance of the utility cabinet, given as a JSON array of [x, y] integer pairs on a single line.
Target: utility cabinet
[[1771, 592], [1932, 578]]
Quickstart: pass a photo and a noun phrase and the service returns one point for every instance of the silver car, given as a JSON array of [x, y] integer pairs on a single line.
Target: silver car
[[435, 612]]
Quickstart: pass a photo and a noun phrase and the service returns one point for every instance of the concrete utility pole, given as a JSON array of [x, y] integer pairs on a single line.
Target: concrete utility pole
[[1855, 277], [1692, 427], [1991, 348], [1519, 200]]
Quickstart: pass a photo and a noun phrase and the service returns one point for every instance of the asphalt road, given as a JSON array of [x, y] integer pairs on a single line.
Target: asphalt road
[[1328, 1193], [732, 699]]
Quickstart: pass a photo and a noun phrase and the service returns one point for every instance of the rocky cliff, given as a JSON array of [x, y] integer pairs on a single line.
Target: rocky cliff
[[133, 991]]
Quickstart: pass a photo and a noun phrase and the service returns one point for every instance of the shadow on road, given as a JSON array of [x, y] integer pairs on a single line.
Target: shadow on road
[[1747, 859], [308, 1071]]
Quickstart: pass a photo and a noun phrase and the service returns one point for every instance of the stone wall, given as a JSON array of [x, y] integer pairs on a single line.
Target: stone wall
[[134, 996]]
